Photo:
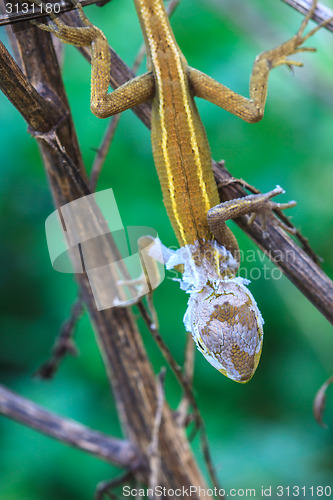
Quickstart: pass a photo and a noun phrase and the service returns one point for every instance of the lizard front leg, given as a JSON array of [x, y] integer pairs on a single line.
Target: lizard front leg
[[252, 109], [255, 204], [103, 104]]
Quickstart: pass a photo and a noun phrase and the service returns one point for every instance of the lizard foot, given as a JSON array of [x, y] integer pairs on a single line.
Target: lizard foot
[[266, 210], [78, 36], [252, 205], [279, 55]]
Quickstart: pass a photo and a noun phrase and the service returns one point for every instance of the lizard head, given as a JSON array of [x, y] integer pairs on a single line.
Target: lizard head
[[226, 326]]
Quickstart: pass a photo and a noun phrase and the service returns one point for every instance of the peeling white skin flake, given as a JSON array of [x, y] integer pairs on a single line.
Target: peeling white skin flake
[[222, 314], [197, 273]]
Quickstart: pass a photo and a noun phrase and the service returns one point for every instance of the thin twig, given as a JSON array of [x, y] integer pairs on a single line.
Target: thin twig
[[139, 58], [153, 453], [106, 487], [152, 310], [182, 409], [113, 450], [64, 343], [320, 15], [188, 390], [172, 6], [103, 151]]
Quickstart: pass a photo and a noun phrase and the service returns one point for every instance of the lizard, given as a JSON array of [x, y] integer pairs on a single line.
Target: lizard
[[222, 314]]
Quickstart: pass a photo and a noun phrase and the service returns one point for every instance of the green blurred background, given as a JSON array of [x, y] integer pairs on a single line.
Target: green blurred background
[[262, 433]]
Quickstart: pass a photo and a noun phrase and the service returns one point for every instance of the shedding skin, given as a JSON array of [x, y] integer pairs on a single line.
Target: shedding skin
[[222, 314]]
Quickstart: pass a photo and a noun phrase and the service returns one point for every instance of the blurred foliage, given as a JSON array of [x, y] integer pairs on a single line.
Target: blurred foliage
[[262, 433]]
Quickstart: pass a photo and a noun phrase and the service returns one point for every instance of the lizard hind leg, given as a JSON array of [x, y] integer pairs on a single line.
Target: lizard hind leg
[[252, 205], [279, 55]]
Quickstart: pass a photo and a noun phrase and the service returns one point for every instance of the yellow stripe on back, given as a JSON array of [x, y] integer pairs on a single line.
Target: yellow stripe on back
[[180, 147]]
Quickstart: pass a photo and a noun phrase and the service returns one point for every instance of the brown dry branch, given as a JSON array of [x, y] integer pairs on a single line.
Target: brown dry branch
[[320, 14], [64, 343], [116, 451]]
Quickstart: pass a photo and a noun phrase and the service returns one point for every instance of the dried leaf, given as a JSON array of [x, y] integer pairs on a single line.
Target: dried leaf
[[319, 402]]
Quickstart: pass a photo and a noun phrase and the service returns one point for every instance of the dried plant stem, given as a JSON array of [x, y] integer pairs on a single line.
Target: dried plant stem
[[188, 391], [320, 14], [154, 460], [116, 451], [64, 343]]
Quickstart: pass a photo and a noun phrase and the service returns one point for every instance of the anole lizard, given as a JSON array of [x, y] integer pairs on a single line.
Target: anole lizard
[[222, 314]]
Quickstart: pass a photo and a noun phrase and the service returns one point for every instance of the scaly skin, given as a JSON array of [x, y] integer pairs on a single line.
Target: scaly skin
[[222, 314]]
